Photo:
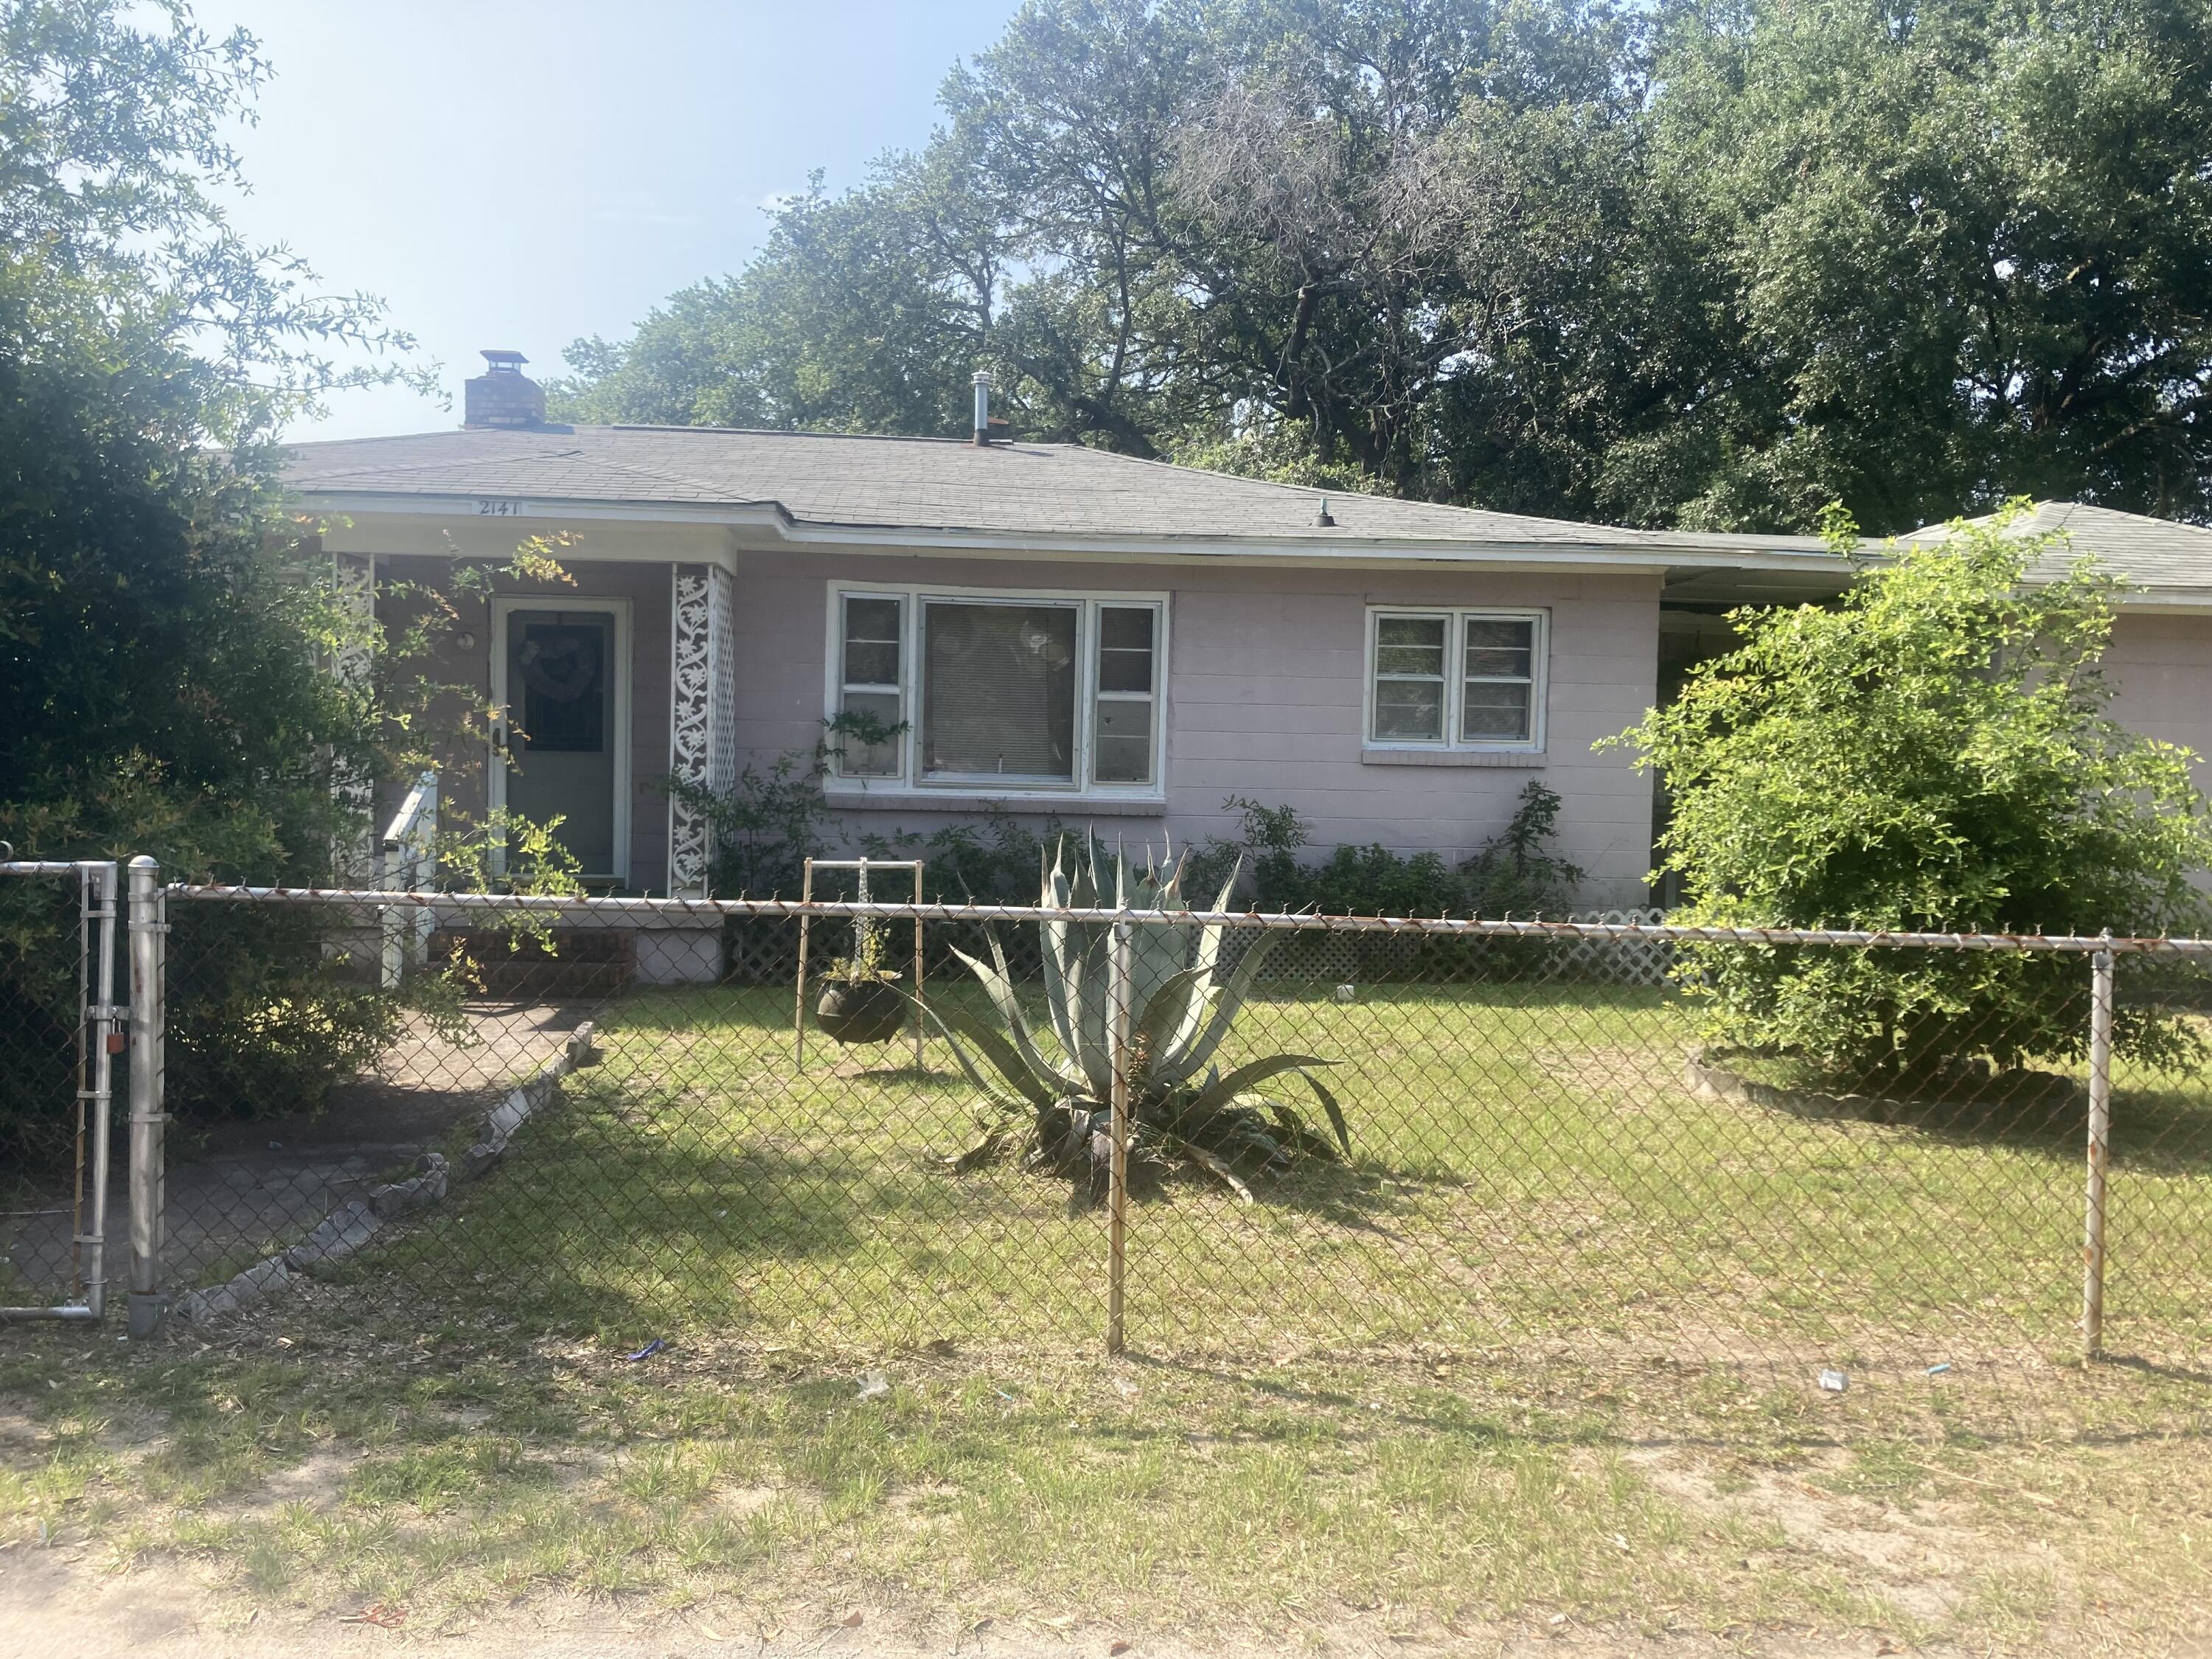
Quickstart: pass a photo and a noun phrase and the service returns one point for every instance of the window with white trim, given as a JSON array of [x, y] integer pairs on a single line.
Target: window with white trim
[[1455, 679], [869, 655], [997, 692]]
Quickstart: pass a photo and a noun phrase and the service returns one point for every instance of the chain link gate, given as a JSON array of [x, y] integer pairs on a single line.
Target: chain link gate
[[65, 1032]]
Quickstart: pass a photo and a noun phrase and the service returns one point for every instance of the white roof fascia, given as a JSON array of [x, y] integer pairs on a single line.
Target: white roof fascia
[[1651, 552], [424, 505]]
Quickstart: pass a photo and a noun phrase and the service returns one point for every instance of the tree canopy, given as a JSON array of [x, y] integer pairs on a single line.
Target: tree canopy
[[1715, 263], [157, 660]]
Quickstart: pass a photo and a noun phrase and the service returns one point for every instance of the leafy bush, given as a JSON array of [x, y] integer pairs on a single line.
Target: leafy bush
[[1515, 874], [263, 1021], [165, 676], [1934, 753], [776, 816]]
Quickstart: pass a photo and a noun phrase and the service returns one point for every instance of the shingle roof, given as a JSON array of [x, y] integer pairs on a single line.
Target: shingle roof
[[934, 484], [2155, 553]]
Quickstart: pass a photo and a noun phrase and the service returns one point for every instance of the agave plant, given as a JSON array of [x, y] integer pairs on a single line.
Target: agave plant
[[1183, 1109]]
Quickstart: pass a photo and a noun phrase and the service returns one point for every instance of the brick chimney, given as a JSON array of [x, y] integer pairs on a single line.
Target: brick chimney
[[503, 395]]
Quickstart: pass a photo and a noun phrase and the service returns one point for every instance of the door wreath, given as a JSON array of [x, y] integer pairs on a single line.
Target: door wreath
[[562, 668]]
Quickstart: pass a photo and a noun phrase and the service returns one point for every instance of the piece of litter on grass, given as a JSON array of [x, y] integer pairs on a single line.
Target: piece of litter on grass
[[1834, 1382], [1113, 1648], [1125, 1388], [382, 1614], [851, 1622], [874, 1385], [659, 1344], [1003, 1395], [1938, 1370]]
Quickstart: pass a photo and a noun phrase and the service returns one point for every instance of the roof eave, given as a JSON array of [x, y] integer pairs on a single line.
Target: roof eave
[[1647, 550]]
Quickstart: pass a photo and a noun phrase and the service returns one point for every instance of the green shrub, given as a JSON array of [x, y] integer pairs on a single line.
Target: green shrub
[[1936, 752], [166, 677], [264, 1019], [1515, 874]]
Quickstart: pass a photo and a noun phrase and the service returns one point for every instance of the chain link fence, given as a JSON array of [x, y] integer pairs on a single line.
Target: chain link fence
[[1236, 1138]]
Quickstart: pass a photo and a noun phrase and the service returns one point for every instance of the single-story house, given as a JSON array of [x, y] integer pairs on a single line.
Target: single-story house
[[1060, 631]]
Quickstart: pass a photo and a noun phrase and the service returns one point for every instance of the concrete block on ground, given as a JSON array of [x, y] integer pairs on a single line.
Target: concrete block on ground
[[345, 1231], [263, 1277], [418, 1192], [525, 1102]]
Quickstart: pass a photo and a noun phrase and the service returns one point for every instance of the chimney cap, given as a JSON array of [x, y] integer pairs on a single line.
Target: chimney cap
[[502, 396]]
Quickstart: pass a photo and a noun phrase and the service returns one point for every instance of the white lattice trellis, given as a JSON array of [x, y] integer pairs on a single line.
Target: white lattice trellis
[[703, 713], [722, 728]]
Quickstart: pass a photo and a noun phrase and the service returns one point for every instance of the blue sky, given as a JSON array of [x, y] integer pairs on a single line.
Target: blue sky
[[517, 175]]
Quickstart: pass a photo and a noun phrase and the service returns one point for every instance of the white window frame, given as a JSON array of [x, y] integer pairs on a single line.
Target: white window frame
[[1456, 618], [1087, 603], [839, 685]]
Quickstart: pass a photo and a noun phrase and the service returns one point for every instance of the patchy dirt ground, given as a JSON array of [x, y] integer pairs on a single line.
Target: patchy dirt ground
[[49, 1605], [339, 1475]]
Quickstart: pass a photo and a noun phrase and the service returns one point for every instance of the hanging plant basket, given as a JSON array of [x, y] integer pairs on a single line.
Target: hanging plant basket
[[861, 1010]]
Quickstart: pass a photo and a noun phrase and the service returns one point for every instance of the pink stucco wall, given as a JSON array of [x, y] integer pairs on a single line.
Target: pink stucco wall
[[1264, 687], [2161, 669]]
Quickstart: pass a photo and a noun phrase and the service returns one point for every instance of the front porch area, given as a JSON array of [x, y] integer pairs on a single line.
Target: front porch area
[[584, 695]]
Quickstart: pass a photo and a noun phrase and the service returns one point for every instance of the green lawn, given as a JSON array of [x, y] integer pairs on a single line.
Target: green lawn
[[1530, 1166], [1545, 1354]]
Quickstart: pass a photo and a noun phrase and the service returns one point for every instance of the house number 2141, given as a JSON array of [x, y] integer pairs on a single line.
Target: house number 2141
[[498, 509]]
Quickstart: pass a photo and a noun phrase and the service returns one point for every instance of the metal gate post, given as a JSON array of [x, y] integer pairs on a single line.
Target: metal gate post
[[1118, 991], [101, 904], [148, 930], [2101, 1141]]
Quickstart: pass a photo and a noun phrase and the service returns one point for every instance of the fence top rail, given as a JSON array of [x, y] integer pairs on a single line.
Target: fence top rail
[[52, 866], [665, 910]]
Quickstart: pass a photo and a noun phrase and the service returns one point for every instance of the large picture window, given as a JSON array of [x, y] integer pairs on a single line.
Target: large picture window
[[1464, 679], [1000, 691]]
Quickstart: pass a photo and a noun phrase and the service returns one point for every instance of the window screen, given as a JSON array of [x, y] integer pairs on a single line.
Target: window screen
[[997, 696], [1121, 737], [873, 641], [1500, 670], [1409, 677]]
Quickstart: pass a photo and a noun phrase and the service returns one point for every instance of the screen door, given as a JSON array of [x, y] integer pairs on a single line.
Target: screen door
[[561, 739]]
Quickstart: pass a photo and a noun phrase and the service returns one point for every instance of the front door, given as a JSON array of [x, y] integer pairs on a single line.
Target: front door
[[561, 677]]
